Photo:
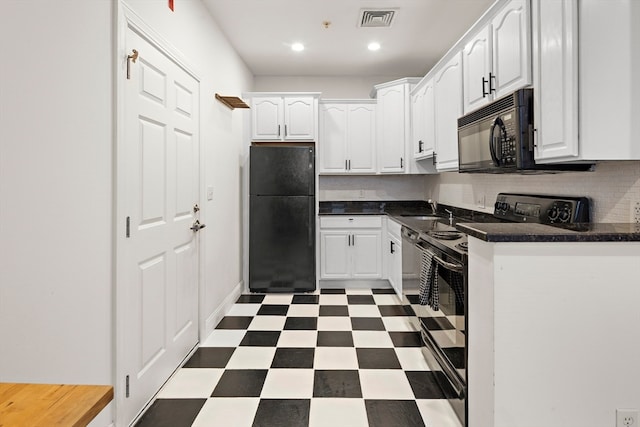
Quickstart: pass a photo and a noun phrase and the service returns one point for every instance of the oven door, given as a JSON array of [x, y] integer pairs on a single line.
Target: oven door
[[443, 327]]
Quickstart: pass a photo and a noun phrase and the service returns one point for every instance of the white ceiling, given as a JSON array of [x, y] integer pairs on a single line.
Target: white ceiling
[[262, 32]]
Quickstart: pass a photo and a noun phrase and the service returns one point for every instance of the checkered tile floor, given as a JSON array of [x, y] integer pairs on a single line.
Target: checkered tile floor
[[333, 358]]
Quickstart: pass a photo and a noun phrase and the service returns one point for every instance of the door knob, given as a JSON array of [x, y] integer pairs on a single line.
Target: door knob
[[197, 226]]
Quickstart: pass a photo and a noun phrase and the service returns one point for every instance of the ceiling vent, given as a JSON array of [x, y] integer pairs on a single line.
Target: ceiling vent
[[376, 18]]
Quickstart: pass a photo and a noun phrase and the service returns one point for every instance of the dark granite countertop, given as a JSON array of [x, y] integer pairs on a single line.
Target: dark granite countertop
[[484, 226], [519, 232]]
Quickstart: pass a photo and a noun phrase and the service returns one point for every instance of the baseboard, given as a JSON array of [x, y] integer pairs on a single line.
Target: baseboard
[[354, 284], [217, 315]]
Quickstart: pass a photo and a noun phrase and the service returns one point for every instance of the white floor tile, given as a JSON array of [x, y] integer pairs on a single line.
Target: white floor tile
[[303, 310], [372, 339], [437, 412], [251, 358], [411, 359], [356, 291], [330, 412], [298, 339], [267, 323], [331, 323], [398, 324], [329, 299], [288, 384], [364, 310], [277, 299], [244, 309], [191, 383], [227, 411], [335, 358], [387, 299], [224, 338], [385, 384]]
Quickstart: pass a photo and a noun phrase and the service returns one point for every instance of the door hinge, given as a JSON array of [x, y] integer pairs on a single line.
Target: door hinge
[[128, 230], [126, 386]]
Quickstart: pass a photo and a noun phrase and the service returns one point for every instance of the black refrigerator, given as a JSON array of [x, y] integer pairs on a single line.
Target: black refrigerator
[[282, 228]]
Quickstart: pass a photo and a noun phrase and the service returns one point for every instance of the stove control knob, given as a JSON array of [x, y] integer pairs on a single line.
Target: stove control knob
[[565, 214], [553, 213]]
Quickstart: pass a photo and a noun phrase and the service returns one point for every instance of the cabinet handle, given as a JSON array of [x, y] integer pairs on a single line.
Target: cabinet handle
[[391, 248], [346, 165], [278, 131], [349, 164], [401, 163], [285, 131], [420, 144], [484, 86], [492, 78], [434, 158]]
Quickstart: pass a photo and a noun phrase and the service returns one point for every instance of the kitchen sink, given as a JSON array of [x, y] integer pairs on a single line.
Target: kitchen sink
[[422, 217]]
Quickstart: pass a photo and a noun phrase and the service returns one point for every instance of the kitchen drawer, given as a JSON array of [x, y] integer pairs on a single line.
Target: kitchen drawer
[[348, 221]]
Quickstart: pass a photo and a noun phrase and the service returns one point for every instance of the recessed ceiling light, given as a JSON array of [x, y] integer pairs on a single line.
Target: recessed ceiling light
[[298, 47], [374, 46]]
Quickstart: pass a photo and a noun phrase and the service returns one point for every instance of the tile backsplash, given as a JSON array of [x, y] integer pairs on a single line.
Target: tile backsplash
[[612, 187]]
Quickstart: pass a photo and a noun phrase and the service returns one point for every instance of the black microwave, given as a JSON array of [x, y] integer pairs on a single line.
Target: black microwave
[[498, 138]]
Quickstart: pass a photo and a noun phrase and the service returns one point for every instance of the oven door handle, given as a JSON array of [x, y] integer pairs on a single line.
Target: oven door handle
[[447, 265], [449, 372]]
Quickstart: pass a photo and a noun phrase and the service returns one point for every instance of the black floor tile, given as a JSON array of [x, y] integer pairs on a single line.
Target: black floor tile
[[406, 339], [367, 324], [396, 413], [360, 299], [336, 383], [430, 385], [377, 358], [210, 357], [333, 291], [235, 322], [395, 310], [251, 299], [456, 356], [335, 339], [413, 299], [334, 310], [273, 310], [260, 338], [240, 383], [383, 291], [282, 412], [293, 358], [437, 323], [305, 299], [171, 413], [301, 323]]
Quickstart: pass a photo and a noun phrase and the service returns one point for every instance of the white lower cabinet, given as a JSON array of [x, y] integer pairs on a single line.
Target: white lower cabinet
[[351, 247], [393, 254]]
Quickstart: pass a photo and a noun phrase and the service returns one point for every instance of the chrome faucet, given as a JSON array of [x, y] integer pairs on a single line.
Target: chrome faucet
[[450, 216], [434, 206]]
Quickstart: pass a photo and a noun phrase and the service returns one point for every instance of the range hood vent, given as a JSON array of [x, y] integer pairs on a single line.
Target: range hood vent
[[376, 18]]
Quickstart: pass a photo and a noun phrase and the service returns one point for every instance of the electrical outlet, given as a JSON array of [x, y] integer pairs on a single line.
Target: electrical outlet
[[635, 212], [361, 194], [626, 418], [209, 193]]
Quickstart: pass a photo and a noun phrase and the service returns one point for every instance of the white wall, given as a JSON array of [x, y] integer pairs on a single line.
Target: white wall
[[391, 187], [612, 187], [332, 87], [57, 109]]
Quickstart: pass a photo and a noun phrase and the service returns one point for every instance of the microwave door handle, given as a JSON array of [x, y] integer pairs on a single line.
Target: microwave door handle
[[492, 147]]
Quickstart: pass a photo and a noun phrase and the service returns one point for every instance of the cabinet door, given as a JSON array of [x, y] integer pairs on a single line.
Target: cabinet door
[[512, 47], [555, 78], [335, 254], [476, 60], [394, 263], [367, 254], [299, 120], [429, 118], [266, 118], [448, 102], [332, 146], [391, 129], [361, 137], [417, 123]]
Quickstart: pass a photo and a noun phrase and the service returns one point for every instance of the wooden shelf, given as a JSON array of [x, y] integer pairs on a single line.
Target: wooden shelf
[[232, 102]]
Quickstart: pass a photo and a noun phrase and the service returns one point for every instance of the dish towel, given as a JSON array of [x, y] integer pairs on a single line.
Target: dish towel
[[428, 290]]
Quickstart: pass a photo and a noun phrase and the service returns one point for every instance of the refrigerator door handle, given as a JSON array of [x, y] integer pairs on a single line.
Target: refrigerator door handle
[[311, 227]]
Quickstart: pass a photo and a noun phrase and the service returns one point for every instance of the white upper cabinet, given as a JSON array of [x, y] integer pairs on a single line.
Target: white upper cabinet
[[283, 117], [393, 120], [347, 137], [448, 107], [497, 60], [555, 75], [423, 132]]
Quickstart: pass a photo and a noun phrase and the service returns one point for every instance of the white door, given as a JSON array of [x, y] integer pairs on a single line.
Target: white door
[[476, 68], [448, 102], [334, 254], [367, 254], [267, 116], [159, 263], [391, 126], [299, 119], [333, 138], [361, 138]]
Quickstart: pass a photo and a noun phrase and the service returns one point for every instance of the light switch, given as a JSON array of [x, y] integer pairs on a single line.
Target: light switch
[[209, 193]]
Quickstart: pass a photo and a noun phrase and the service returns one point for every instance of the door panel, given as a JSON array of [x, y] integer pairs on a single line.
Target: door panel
[[160, 163]]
